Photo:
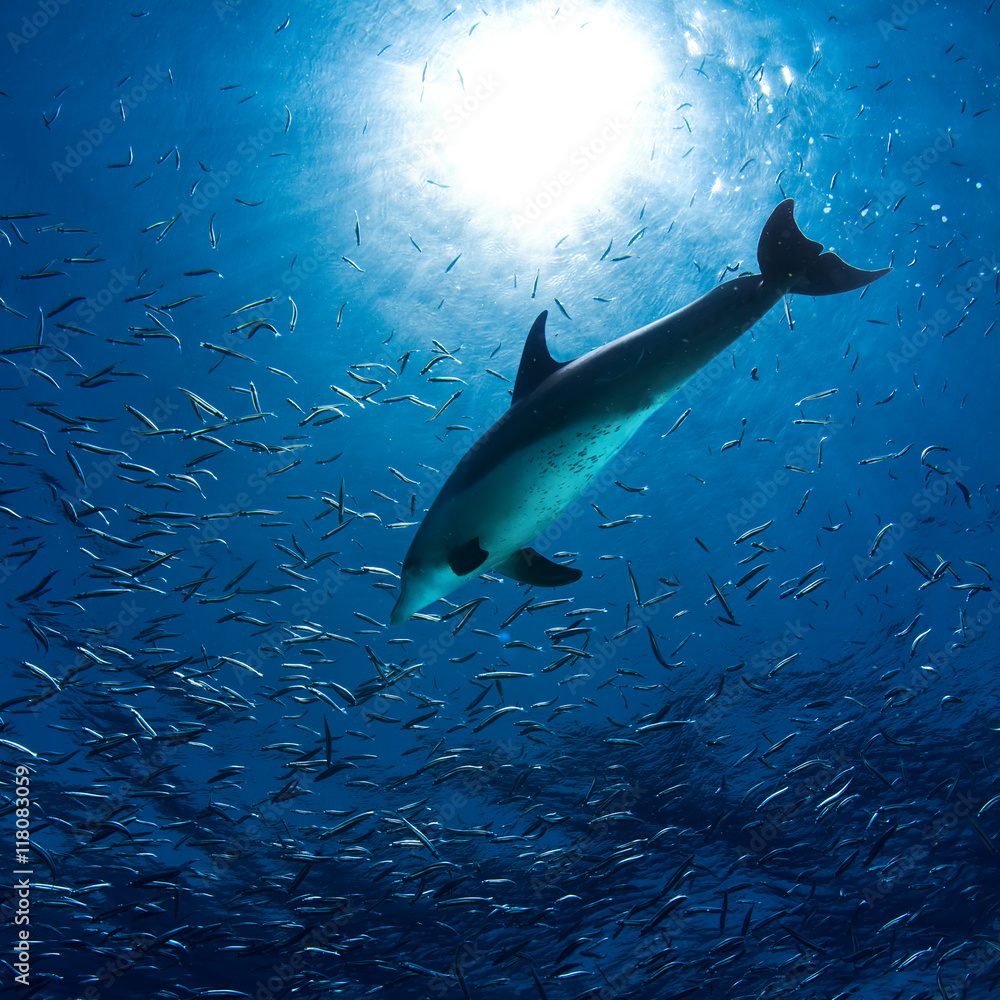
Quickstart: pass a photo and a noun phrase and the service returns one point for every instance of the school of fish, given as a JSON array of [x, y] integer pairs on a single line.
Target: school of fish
[[748, 748]]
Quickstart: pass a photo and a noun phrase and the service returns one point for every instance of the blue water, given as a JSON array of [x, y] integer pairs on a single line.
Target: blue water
[[249, 784]]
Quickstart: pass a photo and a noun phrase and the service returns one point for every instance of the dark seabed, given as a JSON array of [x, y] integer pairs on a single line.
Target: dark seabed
[[267, 270]]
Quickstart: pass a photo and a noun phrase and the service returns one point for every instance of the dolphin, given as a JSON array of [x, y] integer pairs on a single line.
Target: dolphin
[[567, 419]]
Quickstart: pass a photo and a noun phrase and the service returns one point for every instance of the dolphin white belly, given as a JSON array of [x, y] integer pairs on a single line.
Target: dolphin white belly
[[529, 489]]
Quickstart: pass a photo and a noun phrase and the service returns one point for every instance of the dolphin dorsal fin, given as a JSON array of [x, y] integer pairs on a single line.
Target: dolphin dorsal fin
[[536, 362]]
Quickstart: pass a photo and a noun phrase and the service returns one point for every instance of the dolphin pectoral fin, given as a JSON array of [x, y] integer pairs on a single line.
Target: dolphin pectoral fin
[[527, 566], [787, 257], [536, 362], [468, 556]]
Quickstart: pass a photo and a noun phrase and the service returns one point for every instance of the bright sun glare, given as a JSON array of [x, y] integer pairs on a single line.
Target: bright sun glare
[[534, 118]]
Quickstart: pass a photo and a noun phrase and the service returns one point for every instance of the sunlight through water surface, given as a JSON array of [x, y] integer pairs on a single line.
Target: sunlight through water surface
[[539, 116]]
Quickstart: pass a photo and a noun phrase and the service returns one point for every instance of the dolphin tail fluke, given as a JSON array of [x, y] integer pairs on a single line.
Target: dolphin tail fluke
[[786, 255]]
